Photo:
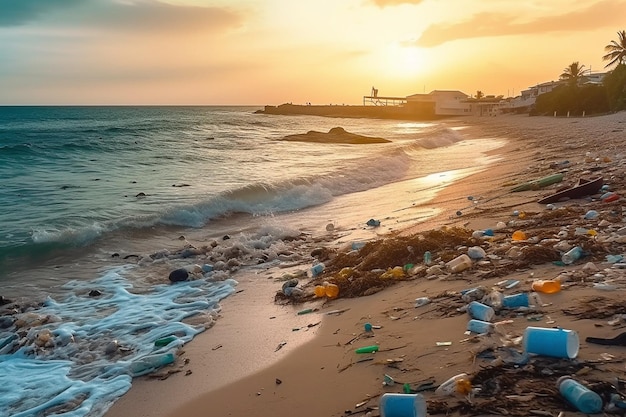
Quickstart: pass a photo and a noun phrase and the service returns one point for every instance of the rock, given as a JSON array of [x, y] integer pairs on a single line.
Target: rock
[[95, 293], [179, 275]]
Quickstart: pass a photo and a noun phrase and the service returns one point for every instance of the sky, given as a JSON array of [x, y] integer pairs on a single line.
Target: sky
[[269, 52]]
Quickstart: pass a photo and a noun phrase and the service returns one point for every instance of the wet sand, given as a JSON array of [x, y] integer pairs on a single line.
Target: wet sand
[[262, 358]]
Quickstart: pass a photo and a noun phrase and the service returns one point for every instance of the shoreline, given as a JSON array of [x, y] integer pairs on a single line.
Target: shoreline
[[310, 368]]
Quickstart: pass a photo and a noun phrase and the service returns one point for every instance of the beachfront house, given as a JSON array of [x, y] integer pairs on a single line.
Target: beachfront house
[[440, 103]]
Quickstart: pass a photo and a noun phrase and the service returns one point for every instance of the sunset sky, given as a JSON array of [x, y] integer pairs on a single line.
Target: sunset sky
[[275, 51]]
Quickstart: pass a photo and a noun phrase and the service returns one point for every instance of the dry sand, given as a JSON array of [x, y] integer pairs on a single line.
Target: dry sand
[[237, 368]]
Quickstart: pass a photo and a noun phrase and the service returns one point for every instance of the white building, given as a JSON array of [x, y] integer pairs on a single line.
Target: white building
[[441, 102]]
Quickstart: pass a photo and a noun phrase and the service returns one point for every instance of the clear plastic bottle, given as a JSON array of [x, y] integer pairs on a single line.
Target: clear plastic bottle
[[146, 364], [459, 264], [428, 258], [572, 255], [458, 384], [581, 397]]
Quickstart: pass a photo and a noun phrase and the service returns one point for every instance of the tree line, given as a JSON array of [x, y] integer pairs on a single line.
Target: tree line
[[578, 97]]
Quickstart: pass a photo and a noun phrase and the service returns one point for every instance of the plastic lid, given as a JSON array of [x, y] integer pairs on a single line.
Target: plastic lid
[[561, 379]]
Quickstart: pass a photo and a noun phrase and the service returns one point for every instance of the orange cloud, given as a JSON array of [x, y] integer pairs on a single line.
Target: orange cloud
[[385, 3], [601, 14]]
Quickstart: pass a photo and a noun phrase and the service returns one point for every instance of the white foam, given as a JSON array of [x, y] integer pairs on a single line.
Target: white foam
[[78, 370]]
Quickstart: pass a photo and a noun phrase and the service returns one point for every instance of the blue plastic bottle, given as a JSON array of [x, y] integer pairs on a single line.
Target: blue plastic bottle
[[581, 397]]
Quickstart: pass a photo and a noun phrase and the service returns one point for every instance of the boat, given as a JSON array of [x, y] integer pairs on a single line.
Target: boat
[[539, 183], [583, 188]]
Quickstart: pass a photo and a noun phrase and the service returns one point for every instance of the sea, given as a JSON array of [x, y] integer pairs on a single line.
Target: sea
[[101, 204]]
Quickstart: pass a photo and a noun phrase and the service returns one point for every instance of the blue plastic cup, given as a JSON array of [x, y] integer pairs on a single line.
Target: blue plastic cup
[[317, 269], [515, 300], [479, 326], [402, 405], [480, 311], [558, 343]]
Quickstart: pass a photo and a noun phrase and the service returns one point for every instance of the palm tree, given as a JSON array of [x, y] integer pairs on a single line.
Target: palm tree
[[479, 95], [616, 50], [573, 73]]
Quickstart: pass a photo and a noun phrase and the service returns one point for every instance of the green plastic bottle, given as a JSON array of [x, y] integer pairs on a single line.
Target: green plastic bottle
[[367, 349]]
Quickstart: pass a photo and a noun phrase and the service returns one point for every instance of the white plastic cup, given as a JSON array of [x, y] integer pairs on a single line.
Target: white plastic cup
[[402, 405], [558, 343], [480, 311]]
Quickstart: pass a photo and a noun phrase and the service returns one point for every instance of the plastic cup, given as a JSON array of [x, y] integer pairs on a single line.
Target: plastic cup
[[479, 326], [480, 311], [515, 300], [558, 343], [402, 405]]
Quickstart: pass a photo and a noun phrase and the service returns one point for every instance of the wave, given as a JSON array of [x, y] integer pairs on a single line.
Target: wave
[[257, 199], [439, 137], [17, 149]]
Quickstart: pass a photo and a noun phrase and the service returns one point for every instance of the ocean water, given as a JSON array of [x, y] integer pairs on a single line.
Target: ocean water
[[114, 198]]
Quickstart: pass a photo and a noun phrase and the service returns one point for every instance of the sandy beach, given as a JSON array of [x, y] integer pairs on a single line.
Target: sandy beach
[[262, 358]]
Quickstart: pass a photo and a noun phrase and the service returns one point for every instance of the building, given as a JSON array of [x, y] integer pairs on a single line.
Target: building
[[441, 103]]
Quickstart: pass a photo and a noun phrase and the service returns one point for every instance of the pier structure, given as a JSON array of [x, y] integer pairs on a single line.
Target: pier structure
[[375, 100]]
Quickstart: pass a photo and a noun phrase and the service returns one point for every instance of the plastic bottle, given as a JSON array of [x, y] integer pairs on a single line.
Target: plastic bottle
[[421, 301], [458, 384], [319, 291], [428, 258], [572, 255], [331, 291], [393, 273], [402, 405], [473, 294], [494, 300], [581, 397], [164, 341], [476, 252], [459, 264], [146, 364], [367, 349], [547, 286]]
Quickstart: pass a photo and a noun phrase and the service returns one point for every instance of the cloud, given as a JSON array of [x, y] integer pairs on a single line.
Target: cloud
[[601, 14], [151, 15], [385, 3], [19, 12], [129, 15]]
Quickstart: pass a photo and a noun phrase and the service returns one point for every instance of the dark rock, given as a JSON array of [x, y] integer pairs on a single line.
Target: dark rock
[[226, 237], [115, 255], [4, 301], [95, 293], [179, 275], [6, 322]]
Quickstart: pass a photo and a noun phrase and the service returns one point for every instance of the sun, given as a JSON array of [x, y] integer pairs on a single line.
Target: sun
[[405, 60]]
